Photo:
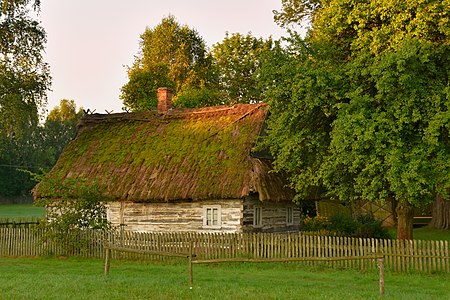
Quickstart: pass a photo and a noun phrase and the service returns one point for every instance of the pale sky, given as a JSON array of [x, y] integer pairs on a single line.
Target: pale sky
[[91, 41]]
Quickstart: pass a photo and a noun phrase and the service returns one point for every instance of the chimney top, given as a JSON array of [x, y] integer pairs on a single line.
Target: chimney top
[[164, 100]]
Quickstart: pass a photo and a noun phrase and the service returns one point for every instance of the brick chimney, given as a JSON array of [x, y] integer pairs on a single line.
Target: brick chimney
[[164, 100]]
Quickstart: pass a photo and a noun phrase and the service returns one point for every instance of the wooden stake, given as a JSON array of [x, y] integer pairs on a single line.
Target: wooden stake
[[107, 262], [381, 266], [191, 279]]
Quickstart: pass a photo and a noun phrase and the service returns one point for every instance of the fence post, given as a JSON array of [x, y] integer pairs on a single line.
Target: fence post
[[107, 261], [381, 266], [191, 279]]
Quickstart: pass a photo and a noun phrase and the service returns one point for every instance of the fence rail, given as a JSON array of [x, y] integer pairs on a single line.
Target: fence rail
[[19, 222], [400, 256]]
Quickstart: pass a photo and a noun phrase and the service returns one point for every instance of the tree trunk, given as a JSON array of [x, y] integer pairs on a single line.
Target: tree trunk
[[440, 214], [405, 214]]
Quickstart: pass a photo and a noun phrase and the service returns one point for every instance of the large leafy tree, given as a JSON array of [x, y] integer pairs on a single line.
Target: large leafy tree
[[37, 149], [59, 128], [171, 55], [24, 76], [237, 60], [369, 106], [24, 82]]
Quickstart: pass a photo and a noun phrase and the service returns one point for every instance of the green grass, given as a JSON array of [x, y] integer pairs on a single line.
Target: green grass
[[52, 278], [21, 211], [426, 233]]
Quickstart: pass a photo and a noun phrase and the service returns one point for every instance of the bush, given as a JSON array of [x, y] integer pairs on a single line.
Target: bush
[[316, 223], [370, 227], [342, 224]]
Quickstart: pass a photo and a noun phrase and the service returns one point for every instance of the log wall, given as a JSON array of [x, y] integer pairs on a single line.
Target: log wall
[[273, 216], [180, 217], [236, 216]]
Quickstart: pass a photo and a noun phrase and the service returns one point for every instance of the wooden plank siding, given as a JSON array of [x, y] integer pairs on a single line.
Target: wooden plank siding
[[273, 216], [169, 217], [236, 216]]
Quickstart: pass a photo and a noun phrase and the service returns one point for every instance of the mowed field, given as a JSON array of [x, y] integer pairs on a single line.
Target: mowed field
[[21, 211], [72, 278]]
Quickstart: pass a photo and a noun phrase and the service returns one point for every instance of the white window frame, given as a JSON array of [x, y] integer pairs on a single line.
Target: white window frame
[[289, 215], [257, 216], [208, 210]]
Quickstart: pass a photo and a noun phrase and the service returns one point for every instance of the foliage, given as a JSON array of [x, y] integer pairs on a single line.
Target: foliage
[[65, 112], [24, 81], [75, 204], [301, 94], [72, 206], [24, 76], [366, 115], [296, 11], [36, 149], [315, 223], [368, 226], [17, 154], [171, 55], [197, 98], [59, 128], [341, 224], [140, 92], [237, 60]]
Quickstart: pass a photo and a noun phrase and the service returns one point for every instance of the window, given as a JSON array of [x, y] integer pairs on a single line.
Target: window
[[289, 215], [257, 216], [212, 216]]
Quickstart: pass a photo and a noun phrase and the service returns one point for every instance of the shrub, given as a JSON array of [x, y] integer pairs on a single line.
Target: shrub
[[342, 224], [73, 206], [370, 227], [316, 223]]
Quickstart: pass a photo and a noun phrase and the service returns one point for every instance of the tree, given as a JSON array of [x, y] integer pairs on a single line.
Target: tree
[[196, 98], [296, 11], [140, 93], [36, 149], [24, 76], [170, 55], [24, 82], [441, 213], [380, 71], [16, 155], [237, 60], [59, 128]]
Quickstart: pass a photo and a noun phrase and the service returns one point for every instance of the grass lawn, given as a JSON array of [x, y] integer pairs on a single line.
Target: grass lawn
[[21, 211], [72, 278], [427, 233]]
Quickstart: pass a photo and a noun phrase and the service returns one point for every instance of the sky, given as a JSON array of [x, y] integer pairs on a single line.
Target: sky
[[90, 42]]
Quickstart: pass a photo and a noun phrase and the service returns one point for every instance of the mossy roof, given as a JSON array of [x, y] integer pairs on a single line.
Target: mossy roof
[[185, 154]]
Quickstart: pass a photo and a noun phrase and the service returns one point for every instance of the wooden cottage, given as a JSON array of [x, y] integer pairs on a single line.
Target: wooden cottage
[[181, 169]]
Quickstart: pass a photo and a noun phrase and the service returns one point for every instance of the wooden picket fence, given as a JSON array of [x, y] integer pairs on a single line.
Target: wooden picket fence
[[400, 256]]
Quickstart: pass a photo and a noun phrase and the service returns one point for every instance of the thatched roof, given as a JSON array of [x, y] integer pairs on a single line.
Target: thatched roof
[[185, 154]]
